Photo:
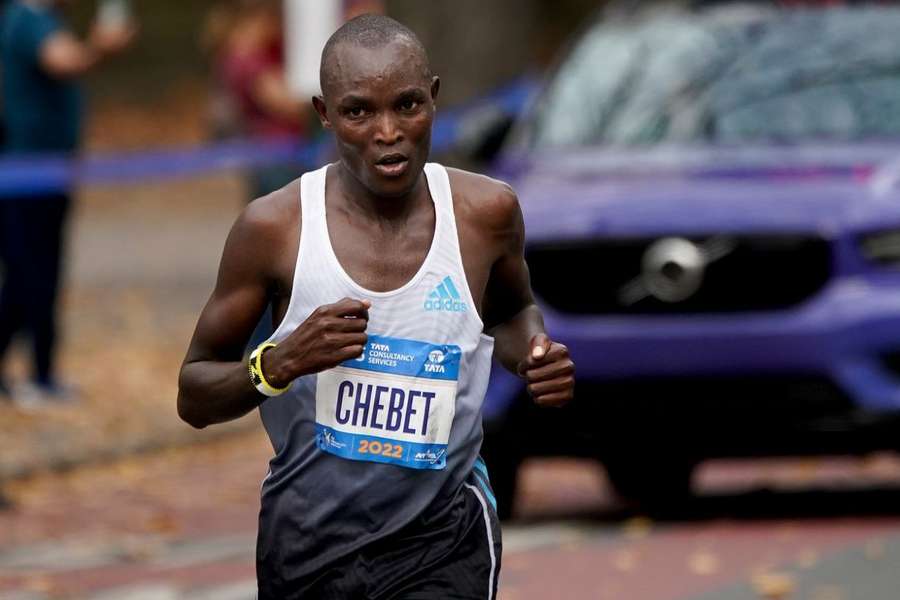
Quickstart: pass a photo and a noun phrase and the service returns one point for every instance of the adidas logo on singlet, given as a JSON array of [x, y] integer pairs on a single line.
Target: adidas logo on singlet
[[445, 297]]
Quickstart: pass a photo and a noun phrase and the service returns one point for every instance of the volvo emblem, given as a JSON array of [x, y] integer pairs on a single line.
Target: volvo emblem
[[672, 269]]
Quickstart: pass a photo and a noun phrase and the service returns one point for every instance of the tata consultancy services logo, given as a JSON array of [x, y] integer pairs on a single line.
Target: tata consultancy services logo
[[445, 297], [435, 358]]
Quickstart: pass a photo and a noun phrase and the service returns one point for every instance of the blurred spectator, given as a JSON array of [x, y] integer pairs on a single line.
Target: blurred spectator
[[251, 97], [245, 39], [41, 63]]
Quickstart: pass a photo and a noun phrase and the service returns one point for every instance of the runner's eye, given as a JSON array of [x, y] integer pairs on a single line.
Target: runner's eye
[[409, 105], [356, 111]]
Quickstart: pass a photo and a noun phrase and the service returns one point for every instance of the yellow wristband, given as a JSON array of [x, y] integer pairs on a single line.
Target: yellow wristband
[[256, 374]]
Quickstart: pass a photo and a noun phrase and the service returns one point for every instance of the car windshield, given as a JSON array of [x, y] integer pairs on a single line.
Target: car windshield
[[741, 75]]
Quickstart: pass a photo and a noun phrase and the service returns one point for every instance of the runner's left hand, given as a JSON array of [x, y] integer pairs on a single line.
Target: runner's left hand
[[549, 371]]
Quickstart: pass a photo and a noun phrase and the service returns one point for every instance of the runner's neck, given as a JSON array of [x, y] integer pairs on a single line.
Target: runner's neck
[[391, 211]]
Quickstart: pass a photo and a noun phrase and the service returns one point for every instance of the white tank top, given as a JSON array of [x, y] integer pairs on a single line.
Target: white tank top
[[365, 447]]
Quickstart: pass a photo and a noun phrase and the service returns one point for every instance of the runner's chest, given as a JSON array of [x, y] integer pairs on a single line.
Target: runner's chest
[[381, 260]]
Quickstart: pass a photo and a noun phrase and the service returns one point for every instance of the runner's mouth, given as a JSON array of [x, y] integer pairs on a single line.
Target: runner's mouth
[[392, 165]]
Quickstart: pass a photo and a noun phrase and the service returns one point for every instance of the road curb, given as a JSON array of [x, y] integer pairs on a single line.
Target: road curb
[[66, 459]]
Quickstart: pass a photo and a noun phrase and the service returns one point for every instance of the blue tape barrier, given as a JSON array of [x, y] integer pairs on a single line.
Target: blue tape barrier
[[37, 175]]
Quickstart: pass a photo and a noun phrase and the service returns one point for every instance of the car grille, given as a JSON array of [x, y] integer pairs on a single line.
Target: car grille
[[750, 415], [754, 273], [891, 362]]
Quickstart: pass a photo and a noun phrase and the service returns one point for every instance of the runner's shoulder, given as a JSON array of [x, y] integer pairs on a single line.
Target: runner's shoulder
[[484, 201], [272, 218]]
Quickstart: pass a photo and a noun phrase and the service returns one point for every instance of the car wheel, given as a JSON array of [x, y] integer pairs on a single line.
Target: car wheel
[[653, 484]]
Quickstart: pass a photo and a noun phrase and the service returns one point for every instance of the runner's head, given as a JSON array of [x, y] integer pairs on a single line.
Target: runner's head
[[378, 96]]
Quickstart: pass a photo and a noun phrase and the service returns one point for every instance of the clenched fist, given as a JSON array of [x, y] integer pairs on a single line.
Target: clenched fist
[[549, 372], [332, 334]]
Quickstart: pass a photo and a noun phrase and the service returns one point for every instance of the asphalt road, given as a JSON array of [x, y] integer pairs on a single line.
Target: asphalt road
[[180, 525]]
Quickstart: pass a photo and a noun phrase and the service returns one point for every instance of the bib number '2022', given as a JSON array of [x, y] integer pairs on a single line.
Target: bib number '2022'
[[376, 447]]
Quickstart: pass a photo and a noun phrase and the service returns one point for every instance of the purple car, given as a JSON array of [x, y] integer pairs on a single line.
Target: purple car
[[712, 203]]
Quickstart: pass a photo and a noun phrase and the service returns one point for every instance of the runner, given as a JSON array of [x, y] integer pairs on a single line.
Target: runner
[[392, 280]]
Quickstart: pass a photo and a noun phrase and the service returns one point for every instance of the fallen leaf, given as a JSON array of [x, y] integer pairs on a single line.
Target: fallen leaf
[[874, 549], [808, 559], [703, 563], [162, 523], [39, 584], [637, 527], [625, 560], [828, 592], [773, 586]]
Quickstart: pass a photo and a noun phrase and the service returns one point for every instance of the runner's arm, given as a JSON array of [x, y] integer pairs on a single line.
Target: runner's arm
[[214, 385], [510, 313], [514, 319]]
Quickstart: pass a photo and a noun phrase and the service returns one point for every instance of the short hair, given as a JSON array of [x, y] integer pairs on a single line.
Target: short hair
[[369, 31]]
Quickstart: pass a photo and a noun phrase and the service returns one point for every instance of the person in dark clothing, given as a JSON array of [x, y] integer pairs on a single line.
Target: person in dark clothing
[[41, 61]]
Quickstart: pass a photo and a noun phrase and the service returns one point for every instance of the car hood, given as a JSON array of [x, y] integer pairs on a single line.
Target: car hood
[[665, 191]]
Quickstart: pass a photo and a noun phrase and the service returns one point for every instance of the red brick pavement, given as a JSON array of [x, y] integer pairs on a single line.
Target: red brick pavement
[[683, 561], [142, 511]]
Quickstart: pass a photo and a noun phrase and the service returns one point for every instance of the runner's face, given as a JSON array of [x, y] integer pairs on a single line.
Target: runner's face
[[380, 103]]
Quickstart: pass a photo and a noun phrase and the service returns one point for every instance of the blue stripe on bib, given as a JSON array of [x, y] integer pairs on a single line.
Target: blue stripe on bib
[[412, 358], [379, 449]]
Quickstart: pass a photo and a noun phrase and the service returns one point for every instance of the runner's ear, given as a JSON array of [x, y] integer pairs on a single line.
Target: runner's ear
[[435, 87], [322, 111]]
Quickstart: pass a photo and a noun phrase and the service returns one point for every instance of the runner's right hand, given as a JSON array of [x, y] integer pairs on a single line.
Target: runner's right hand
[[332, 334]]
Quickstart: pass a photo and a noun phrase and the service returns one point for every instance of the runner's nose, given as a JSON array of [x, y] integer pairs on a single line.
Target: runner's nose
[[386, 131]]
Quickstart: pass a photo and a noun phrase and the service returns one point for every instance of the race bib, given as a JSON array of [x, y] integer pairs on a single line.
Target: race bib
[[394, 404]]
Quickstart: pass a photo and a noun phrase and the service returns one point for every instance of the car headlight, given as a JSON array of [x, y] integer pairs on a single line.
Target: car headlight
[[882, 247]]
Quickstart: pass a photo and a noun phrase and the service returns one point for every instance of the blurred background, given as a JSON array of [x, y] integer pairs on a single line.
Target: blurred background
[[711, 197]]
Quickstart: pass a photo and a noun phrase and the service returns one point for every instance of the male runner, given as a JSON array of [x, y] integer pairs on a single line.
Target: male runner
[[387, 276]]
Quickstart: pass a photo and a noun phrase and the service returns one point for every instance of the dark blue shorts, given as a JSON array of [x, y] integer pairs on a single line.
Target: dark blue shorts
[[456, 558]]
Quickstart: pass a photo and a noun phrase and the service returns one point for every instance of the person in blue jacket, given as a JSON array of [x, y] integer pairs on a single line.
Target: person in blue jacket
[[41, 61]]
